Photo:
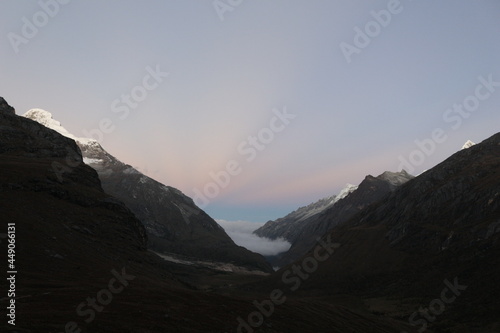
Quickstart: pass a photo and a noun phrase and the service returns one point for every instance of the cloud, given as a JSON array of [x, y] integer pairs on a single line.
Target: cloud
[[241, 232]]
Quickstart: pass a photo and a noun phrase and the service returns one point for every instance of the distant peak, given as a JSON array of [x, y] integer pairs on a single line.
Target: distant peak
[[468, 144], [41, 116], [46, 119], [348, 189], [396, 178]]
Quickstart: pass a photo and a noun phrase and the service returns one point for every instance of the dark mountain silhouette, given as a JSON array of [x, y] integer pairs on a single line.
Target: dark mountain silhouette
[[303, 233], [83, 264], [432, 243], [174, 224], [439, 230], [290, 226]]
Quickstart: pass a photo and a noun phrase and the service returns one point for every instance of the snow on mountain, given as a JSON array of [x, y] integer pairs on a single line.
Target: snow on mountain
[[93, 153], [369, 191], [468, 144], [317, 207], [87, 160], [396, 178], [46, 119], [290, 226], [348, 189], [314, 208], [173, 222]]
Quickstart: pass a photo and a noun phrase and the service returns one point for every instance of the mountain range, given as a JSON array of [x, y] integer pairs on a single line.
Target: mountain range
[[397, 254], [290, 226], [173, 223], [304, 226], [436, 234]]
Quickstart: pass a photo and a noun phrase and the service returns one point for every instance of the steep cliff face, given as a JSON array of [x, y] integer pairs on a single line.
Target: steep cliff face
[[32, 156], [74, 241], [464, 191], [442, 225], [174, 224]]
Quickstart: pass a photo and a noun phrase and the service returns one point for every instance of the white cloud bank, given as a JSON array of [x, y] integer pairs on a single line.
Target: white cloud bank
[[241, 232]]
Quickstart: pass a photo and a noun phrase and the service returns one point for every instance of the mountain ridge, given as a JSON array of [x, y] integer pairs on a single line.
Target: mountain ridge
[[289, 226], [303, 233], [398, 253], [173, 222]]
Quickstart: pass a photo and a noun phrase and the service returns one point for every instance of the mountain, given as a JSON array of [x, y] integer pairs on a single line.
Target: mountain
[[174, 224], [428, 253], [468, 144], [70, 236], [425, 256], [5, 107], [83, 265], [350, 201], [290, 226]]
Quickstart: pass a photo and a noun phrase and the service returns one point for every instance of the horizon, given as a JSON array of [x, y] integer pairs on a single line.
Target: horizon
[[265, 108]]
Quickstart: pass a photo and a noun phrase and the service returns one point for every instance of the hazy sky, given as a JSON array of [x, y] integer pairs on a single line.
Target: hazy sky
[[283, 101]]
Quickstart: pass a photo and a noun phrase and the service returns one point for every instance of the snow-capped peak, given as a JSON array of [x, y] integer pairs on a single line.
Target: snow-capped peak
[[45, 118], [468, 144], [348, 189]]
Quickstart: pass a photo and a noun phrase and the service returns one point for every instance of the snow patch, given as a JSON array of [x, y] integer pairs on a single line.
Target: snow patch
[[45, 118], [87, 160], [468, 144], [348, 189]]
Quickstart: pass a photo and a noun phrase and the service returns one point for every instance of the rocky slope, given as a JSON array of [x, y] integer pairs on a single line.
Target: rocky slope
[[437, 233], [352, 200], [173, 222], [290, 226]]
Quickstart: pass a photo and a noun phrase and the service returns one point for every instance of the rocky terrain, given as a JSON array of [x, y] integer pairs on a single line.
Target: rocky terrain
[[174, 224], [290, 226], [303, 232], [439, 230]]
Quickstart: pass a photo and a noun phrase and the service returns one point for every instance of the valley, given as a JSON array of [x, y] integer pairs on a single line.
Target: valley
[[101, 247]]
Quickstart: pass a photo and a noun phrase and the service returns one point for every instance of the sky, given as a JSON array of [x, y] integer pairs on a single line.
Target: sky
[[255, 108]]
